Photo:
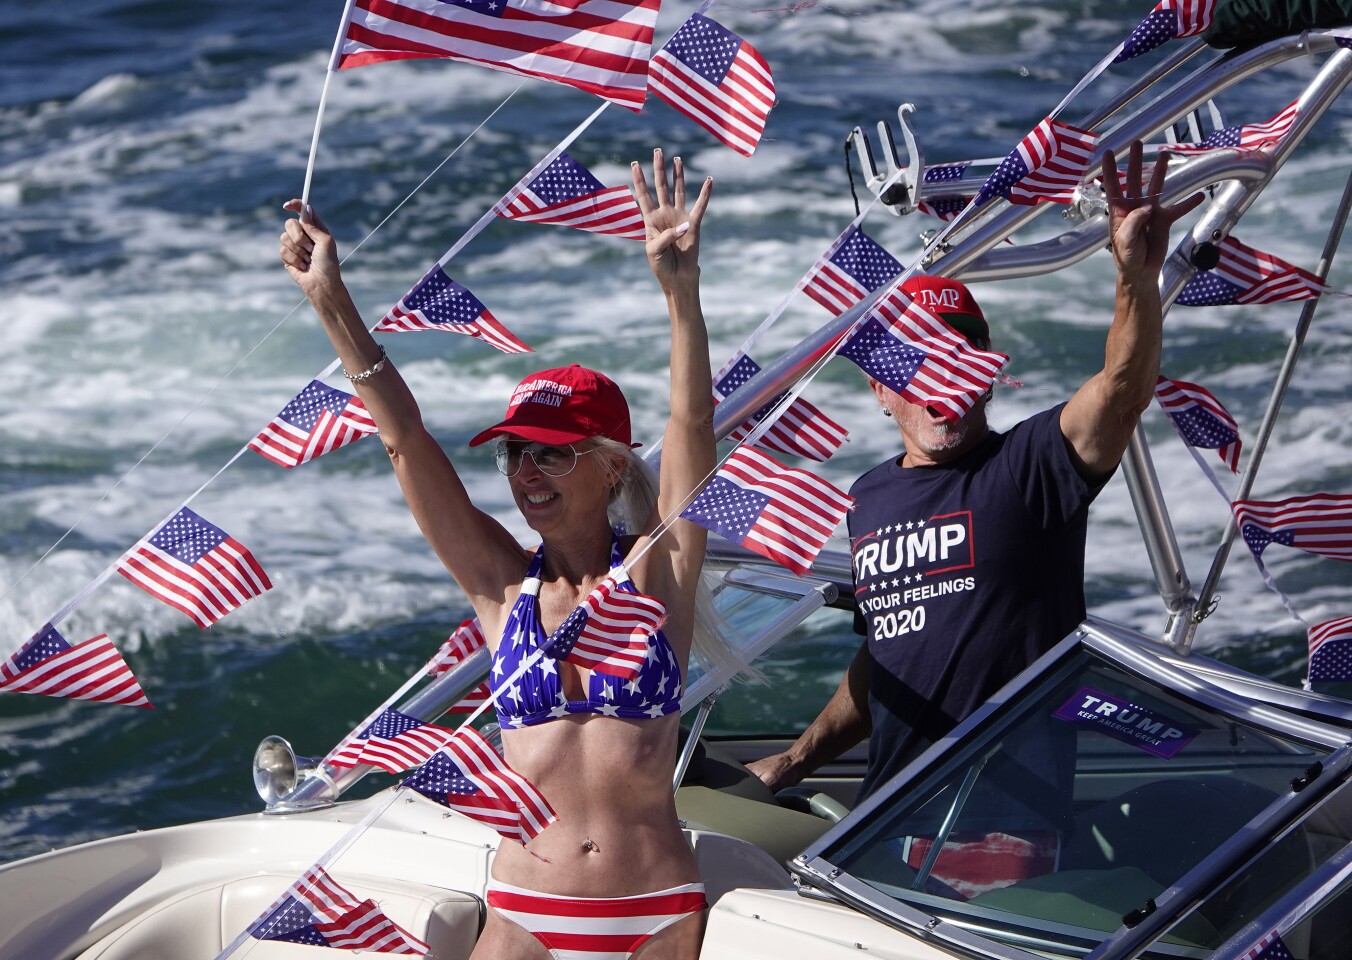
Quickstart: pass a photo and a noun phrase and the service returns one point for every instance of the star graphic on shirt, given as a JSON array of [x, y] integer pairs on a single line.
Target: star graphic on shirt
[[547, 665], [609, 710], [920, 523], [632, 685], [559, 709], [896, 582], [654, 711], [514, 691], [907, 579], [662, 687], [910, 525], [651, 652], [497, 668], [607, 691]]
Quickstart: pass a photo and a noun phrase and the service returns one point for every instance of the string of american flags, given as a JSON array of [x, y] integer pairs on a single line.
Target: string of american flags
[[720, 82], [717, 79]]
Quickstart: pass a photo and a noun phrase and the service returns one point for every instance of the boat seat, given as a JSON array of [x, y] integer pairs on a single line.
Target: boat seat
[[201, 921]]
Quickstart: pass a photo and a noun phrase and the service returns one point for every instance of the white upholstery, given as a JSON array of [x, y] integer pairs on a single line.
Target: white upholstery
[[198, 923]]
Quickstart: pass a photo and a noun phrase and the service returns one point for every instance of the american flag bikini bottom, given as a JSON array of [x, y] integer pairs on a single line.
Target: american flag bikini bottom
[[594, 928]]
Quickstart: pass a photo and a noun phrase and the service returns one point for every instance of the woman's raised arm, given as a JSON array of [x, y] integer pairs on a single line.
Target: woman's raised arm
[[688, 444], [480, 554]]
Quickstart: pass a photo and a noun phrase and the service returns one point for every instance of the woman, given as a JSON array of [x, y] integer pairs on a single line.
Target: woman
[[601, 757]]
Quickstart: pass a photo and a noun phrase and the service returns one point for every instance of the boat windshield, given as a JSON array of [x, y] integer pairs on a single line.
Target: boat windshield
[[1072, 807]]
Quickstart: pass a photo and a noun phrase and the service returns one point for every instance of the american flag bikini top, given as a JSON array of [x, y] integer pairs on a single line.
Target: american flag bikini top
[[537, 696]]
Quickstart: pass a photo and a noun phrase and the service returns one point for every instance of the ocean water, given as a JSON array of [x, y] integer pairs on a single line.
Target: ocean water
[[146, 148]]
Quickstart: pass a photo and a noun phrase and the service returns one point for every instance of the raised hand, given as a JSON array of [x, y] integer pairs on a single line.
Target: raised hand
[[309, 252], [673, 232], [1138, 224]]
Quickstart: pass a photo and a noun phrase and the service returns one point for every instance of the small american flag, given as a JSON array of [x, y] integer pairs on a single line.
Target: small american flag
[[933, 200], [566, 193], [781, 513], [915, 354], [609, 631], [857, 265], [1270, 947], [717, 79], [1048, 164], [195, 567], [1320, 523], [600, 46], [1246, 275], [470, 777], [1171, 19], [1249, 136], [48, 666], [317, 420], [317, 911], [1200, 418], [394, 742], [437, 302], [802, 430], [1331, 650], [467, 638]]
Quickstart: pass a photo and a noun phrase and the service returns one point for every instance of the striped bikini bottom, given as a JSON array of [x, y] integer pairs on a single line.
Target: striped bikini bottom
[[594, 928]]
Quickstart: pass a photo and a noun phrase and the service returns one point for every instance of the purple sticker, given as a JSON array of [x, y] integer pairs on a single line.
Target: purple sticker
[[1125, 721]]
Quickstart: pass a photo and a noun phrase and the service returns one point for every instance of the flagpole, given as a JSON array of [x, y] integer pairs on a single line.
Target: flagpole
[[323, 100]]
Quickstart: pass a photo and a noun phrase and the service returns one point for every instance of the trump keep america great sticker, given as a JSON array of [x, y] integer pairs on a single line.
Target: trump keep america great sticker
[[1123, 720]]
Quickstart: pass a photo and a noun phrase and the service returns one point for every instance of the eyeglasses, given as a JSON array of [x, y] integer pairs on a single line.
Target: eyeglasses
[[552, 461]]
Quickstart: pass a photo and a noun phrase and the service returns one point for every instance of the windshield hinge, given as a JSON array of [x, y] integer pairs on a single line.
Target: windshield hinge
[[1132, 919], [1310, 775]]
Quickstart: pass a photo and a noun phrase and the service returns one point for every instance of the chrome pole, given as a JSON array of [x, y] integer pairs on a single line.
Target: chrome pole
[[1205, 600]]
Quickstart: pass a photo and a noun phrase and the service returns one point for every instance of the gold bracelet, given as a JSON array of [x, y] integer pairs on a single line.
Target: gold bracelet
[[376, 367]]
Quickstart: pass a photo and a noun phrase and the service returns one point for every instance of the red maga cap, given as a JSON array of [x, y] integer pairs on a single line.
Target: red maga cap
[[564, 405], [951, 302]]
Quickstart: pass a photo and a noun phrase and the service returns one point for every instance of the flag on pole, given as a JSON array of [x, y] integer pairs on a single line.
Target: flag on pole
[[1170, 20], [467, 638], [1246, 275], [600, 46], [857, 266], [195, 567], [1320, 523], [48, 666], [608, 631], [915, 354], [317, 420], [394, 742], [933, 200], [319, 912], [717, 79], [468, 776], [1048, 164], [1200, 418], [781, 513], [437, 302], [566, 193], [1331, 650], [802, 430], [1249, 136]]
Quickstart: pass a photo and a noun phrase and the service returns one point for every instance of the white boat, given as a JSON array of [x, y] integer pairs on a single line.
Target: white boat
[[1204, 811]]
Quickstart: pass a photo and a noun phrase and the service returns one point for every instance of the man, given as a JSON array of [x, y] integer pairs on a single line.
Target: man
[[968, 549]]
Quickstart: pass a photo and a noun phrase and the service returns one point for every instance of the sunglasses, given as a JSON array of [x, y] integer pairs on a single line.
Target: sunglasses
[[552, 461]]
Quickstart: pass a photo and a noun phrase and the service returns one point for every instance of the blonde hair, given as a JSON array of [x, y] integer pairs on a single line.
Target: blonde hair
[[632, 501]]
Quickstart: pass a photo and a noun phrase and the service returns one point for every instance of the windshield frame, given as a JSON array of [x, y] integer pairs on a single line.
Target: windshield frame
[[1152, 663]]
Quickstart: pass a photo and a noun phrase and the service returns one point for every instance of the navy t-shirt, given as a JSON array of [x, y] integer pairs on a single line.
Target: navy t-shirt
[[964, 574]]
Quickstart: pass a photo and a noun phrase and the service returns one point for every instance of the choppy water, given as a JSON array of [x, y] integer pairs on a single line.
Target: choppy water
[[145, 151]]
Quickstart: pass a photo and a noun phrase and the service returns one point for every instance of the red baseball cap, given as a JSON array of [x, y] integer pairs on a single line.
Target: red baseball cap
[[951, 302], [564, 405]]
